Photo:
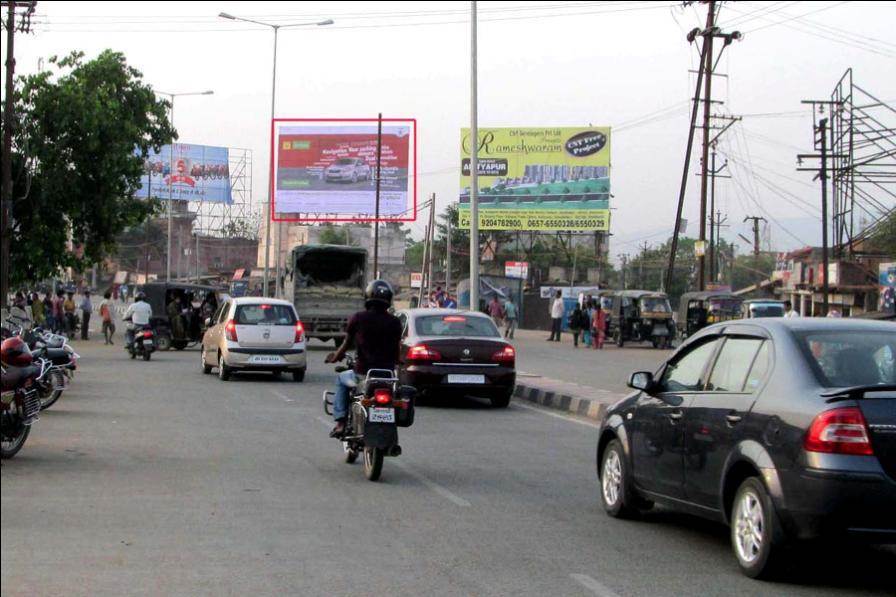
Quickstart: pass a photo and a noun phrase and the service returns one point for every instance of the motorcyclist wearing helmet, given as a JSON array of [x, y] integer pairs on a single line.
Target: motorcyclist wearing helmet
[[376, 335], [138, 314]]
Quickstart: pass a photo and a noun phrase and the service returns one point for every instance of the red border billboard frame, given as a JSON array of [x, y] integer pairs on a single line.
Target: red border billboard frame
[[273, 210]]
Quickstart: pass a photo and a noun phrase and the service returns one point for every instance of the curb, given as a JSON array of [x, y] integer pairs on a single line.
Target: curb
[[582, 407]]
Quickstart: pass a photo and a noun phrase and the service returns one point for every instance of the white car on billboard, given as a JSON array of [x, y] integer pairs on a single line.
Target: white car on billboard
[[347, 170]]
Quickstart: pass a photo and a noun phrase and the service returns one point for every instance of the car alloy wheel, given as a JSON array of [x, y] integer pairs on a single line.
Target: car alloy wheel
[[749, 521], [611, 480]]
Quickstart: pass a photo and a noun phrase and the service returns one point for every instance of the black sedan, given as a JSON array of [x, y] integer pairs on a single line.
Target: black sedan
[[785, 429], [462, 353]]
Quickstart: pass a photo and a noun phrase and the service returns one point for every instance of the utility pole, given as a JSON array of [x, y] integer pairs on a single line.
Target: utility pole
[[376, 219], [624, 258], [708, 61], [432, 235], [425, 266], [756, 220], [707, 99], [8, 119], [713, 237], [715, 262], [448, 256], [644, 247], [821, 142], [474, 168]]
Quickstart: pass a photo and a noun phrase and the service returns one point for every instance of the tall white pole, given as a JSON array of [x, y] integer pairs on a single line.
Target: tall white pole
[[170, 198], [267, 234], [448, 256], [474, 169]]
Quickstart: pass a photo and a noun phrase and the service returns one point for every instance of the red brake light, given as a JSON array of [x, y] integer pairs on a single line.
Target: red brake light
[[454, 319], [147, 333], [839, 431], [506, 356], [230, 331], [382, 396], [421, 352], [300, 332]]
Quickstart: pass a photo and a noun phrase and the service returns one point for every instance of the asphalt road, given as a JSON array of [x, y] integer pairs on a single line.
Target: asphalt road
[[153, 479]]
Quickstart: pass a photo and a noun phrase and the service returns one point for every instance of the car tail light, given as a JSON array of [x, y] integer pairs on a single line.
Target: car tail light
[[421, 352], [839, 431], [300, 332], [506, 356], [230, 331], [382, 396]]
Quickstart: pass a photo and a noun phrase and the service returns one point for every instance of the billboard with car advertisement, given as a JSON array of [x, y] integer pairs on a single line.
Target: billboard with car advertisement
[[325, 170], [539, 178], [195, 173]]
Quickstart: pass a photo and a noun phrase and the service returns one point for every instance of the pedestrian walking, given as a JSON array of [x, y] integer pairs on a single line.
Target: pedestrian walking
[[599, 326], [496, 311], [106, 315], [450, 303], [18, 312], [49, 313], [86, 307], [510, 317], [577, 324], [557, 310]]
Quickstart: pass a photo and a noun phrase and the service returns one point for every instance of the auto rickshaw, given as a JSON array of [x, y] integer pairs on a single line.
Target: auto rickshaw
[[197, 303], [754, 308], [641, 316], [696, 310]]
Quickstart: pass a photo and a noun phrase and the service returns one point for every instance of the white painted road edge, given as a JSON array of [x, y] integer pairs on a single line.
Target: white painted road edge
[[517, 403], [592, 585]]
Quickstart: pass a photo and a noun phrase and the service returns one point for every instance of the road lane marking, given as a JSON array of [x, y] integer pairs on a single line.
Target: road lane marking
[[429, 483], [435, 487], [557, 416], [282, 396], [592, 585]]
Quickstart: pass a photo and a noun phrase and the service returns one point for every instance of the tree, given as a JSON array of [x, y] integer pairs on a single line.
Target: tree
[[84, 131], [331, 235], [883, 237]]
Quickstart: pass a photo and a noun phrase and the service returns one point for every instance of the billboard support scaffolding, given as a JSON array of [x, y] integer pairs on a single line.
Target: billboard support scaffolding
[[376, 221]]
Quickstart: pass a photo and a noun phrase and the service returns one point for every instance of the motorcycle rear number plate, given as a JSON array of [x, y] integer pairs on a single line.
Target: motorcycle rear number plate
[[472, 379], [263, 359], [381, 415]]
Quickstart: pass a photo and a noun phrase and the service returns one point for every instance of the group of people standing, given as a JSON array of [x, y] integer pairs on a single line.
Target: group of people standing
[[58, 312], [589, 320], [503, 314]]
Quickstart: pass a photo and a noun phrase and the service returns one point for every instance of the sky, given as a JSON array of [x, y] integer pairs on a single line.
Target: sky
[[619, 64]]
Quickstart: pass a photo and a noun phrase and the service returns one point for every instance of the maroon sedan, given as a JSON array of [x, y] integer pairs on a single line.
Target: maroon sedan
[[444, 351]]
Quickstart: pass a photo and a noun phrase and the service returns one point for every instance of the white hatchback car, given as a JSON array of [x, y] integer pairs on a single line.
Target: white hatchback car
[[254, 334]]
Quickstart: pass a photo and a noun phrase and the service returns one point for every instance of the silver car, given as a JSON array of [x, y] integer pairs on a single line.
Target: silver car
[[347, 170], [254, 334]]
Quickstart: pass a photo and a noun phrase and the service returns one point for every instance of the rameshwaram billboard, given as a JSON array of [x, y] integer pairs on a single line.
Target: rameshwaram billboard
[[325, 170], [547, 178], [194, 173]]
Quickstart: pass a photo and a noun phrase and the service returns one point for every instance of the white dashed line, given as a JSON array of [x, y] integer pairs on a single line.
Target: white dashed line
[[281, 396], [592, 585], [432, 485]]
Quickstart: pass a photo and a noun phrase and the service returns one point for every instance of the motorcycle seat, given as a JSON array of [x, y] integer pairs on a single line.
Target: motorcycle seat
[[13, 377]]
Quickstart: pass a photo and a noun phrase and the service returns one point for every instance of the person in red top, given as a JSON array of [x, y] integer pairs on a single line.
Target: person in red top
[[598, 326]]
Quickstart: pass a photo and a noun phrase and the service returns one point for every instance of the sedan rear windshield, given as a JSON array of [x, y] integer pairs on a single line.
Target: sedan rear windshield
[[851, 358], [265, 315], [767, 310], [471, 326]]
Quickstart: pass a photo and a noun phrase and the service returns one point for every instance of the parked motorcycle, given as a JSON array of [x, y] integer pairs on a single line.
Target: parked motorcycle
[[378, 406], [60, 358], [19, 403], [141, 342]]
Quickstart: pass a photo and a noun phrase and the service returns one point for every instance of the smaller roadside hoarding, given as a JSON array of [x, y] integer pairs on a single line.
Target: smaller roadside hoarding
[[193, 172], [538, 178], [887, 280], [416, 280], [326, 170], [516, 269]]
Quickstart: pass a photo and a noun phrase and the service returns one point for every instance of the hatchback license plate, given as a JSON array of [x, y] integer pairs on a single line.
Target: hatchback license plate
[[263, 359], [468, 379], [381, 415]]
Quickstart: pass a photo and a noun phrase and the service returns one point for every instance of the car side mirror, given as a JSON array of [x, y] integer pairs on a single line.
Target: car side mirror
[[208, 322], [642, 380]]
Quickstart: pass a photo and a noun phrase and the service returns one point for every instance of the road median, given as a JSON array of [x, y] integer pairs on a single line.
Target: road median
[[571, 398]]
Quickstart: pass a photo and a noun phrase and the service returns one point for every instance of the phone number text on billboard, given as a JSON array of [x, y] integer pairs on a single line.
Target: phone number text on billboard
[[517, 219]]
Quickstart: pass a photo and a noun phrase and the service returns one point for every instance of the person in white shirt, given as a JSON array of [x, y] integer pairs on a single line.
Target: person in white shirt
[[789, 313], [139, 313], [557, 309]]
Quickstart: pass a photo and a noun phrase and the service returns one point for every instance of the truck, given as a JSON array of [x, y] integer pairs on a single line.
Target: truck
[[327, 285]]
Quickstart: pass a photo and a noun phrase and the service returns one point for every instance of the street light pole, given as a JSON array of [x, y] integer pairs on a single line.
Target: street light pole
[[171, 96], [474, 168], [270, 204]]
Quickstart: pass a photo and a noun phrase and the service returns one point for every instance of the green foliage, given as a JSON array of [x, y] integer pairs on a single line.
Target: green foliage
[[240, 229], [413, 255], [883, 239], [332, 235], [84, 131]]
